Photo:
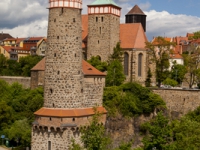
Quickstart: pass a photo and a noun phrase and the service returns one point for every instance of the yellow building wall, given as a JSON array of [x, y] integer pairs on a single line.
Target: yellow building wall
[[9, 43], [4, 52]]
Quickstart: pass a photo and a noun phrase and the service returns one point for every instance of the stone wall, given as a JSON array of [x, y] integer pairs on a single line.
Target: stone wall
[[178, 101], [25, 81], [37, 79], [103, 35]]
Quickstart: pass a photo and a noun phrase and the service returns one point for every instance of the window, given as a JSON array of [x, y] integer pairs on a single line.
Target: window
[[96, 19], [140, 65], [49, 145], [100, 30], [126, 63], [101, 19], [74, 20]]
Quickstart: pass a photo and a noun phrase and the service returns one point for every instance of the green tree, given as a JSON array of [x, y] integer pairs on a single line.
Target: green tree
[[21, 131], [158, 133], [2, 63], [12, 68], [196, 35], [115, 75], [159, 52], [96, 62], [94, 137], [178, 72], [27, 63], [117, 53], [148, 79], [192, 61], [171, 82]]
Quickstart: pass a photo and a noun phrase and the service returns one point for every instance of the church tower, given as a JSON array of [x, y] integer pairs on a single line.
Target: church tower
[[103, 28], [136, 15], [65, 107]]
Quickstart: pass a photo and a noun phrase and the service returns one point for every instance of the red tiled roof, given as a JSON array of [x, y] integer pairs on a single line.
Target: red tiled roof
[[176, 56], [132, 35], [87, 68], [90, 70], [84, 30], [35, 38], [3, 36], [180, 40], [155, 40], [135, 11], [7, 48], [10, 39], [57, 112]]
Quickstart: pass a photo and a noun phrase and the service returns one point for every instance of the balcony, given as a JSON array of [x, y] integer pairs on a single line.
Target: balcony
[[13, 58], [13, 53]]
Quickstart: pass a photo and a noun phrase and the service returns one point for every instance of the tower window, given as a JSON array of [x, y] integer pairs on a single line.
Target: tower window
[[50, 118], [96, 19], [61, 12], [74, 20], [100, 30], [140, 65], [74, 55], [126, 63], [73, 119], [54, 20], [49, 145], [54, 54], [98, 41], [101, 19], [51, 91], [58, 72], [57, 37]]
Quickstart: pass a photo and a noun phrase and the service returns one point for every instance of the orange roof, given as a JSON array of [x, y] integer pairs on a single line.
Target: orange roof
[[90, 70], [132, 35], [35, 38], [189, 34], [176, 56], [87, 68], [7, 48], [79, 112], [156, 41], [84, 30], [180, 40], [10, 39]]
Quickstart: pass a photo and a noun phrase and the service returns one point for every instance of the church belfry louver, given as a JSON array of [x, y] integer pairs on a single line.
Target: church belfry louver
[[66, 107]]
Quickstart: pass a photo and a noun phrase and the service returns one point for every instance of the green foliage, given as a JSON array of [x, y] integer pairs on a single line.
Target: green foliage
[[96, 62], [75, 146], [94, 137], [159, 54], [22, 68], [171, 82], [124, 146], [131, 99], [17, 106], [148, 79], [115, 75], [178, 72], [21, 131], [117, 54], [196, 35], [159, 133]]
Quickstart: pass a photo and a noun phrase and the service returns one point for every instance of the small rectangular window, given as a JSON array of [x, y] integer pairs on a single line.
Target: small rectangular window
[[101, 19], [96, 19], [49, 145]]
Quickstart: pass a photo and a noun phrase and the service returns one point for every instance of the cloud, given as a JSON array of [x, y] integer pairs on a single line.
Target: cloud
[[171, 25], [22, 18]]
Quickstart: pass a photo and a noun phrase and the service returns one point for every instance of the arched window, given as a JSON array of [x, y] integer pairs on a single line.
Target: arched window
[[140, 64], [126, 63]]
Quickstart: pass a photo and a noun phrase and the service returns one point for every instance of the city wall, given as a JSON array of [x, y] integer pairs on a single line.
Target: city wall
[[25, 81]]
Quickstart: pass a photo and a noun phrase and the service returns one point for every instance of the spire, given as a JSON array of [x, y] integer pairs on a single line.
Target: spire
[[104, 2], [135, 11]]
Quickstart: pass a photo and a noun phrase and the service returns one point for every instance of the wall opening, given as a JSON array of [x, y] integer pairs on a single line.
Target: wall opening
[[73, 119], [100, 30], [51, 91], [96, 19], [140, 64], [54, 54], [126, 63], [54, 20], [74, 19], [101, 19], [57, 37], [49, 145]]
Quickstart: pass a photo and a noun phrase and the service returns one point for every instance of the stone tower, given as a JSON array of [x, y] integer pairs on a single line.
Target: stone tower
[[136, 15], [103, 28], [65, 107]]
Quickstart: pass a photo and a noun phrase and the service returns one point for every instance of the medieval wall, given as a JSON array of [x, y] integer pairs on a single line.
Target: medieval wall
[[93, 90], [25, 81], [103, 35], [37, 79]]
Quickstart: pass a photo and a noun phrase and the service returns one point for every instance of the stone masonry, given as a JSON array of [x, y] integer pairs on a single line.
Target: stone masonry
[[63, 75], [103, 35]]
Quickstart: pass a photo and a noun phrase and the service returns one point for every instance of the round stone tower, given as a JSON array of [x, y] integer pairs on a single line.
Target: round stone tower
[[65, 108], [136, 15], [103, 28]]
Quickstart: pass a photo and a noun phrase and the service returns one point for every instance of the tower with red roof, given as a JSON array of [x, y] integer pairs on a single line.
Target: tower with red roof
[[66, 103]]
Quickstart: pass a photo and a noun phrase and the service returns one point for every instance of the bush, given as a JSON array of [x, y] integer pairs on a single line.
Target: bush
[[171, 82]]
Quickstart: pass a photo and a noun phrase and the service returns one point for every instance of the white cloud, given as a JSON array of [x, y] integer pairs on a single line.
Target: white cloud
[[23, 18]]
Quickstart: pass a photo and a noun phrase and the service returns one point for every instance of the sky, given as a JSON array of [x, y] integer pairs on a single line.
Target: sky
[[169, 18]]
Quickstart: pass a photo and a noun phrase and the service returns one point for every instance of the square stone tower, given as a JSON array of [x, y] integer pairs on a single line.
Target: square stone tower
[[65, 107], [103, 28]]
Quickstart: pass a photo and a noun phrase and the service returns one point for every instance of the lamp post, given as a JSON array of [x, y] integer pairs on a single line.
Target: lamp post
[[131, 78]]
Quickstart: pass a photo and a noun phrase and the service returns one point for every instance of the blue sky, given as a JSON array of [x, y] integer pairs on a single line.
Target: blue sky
[[22, 18]]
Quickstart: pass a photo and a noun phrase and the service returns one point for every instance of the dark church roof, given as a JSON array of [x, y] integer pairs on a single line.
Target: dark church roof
[[135, 11], [4, 36]]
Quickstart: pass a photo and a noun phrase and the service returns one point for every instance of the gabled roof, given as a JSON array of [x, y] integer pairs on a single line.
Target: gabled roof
[[132, 36], [135, 11], [180, 40], [3, 36], [104, 2], [7, 48], [87, 68]]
